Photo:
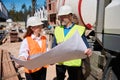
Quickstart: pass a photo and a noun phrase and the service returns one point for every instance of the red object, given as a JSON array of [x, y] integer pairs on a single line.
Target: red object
[[79, 11], [89, 26]]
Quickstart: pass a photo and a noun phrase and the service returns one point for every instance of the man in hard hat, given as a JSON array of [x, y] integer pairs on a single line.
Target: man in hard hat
[[62, 33], [33, 43]]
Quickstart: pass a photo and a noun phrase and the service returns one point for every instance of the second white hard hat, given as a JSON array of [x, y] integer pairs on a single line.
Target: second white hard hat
[[9, 20], [34, 21], [65, 10]]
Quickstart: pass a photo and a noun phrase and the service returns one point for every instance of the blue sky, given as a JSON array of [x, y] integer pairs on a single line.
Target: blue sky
[[19, 3]]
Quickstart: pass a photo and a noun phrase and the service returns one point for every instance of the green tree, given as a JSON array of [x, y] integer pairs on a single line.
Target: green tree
[[13, 6], [33, 6], [29, 10], [24, 9], [12, 12]]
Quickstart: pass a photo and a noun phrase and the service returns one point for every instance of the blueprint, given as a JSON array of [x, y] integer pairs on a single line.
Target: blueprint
[[71, 49]]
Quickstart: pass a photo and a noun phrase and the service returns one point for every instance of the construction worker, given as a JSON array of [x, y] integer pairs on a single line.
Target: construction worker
[[33, 43], [62, 33]]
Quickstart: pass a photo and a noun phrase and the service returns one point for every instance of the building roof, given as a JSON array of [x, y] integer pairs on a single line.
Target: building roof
[[3, 12]]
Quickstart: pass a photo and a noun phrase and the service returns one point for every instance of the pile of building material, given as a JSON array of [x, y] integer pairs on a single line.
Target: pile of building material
[[7, 67], [14, 36]]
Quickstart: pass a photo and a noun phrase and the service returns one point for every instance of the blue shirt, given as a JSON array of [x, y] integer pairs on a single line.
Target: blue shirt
[[67, 29], [49, 27]]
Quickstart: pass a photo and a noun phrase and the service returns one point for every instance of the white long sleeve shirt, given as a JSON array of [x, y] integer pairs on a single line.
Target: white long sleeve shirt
[[24, 49]]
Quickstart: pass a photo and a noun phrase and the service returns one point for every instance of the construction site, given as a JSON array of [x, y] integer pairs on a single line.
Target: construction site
[[101, 20]]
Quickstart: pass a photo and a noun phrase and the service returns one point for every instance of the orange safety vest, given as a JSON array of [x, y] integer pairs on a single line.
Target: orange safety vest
[[34, 48]]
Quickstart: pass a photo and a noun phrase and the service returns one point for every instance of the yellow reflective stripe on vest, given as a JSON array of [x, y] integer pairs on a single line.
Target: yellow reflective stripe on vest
[[59, 34], [76, 62]]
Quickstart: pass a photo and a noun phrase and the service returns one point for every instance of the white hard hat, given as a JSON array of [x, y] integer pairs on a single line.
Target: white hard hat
[[65, 10], [9, 20], [34, 21]]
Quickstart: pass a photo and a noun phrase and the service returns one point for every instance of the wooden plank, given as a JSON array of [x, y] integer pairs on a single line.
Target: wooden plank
[[0, 64], [5, 66], [12, 68], [9, 72]]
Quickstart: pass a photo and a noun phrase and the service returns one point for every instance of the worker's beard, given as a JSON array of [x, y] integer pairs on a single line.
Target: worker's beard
[[63, 23]]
